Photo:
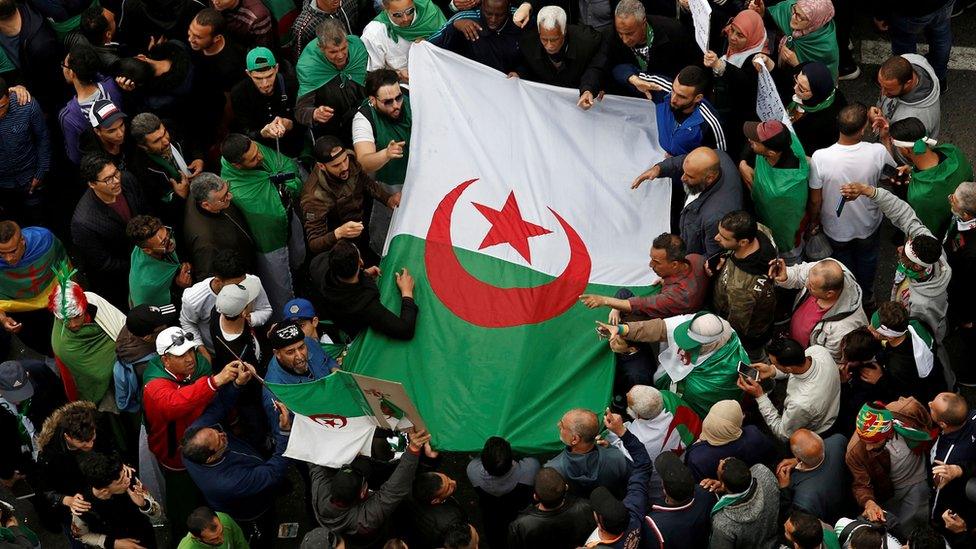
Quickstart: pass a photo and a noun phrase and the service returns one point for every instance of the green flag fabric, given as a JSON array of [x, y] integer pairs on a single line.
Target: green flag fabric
[[928, 189], [258, 199], [386, 130], [819, 45], [151, 278], [89, 354], [314, 70], [427, 20], [780, 196], [333, 422]]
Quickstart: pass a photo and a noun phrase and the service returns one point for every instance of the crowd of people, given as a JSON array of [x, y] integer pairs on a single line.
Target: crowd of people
[[193, 198]]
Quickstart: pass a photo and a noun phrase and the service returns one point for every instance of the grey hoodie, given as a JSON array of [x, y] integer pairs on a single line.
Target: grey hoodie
[[846, 314], [599, 467], [751, 523], [926, 109], [928, 299]]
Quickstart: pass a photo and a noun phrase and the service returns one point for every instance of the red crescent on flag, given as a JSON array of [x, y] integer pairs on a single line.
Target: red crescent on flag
[[490, 306], [330, 420]]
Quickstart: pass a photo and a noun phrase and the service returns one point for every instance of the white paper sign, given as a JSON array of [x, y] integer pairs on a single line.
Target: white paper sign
[[701, 14], [768, 104]]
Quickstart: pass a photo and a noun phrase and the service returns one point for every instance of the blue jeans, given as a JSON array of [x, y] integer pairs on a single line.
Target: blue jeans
[[938, 31], [860, 255]]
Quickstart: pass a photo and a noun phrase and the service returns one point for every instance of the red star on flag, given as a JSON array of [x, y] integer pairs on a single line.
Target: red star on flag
[[508, 226]]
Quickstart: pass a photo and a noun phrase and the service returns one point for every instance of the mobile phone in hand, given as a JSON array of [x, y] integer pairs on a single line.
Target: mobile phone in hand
[[748, 371]]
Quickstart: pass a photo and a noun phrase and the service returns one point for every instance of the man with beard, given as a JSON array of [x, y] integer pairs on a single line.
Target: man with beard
[[685, 119], [331, 75], [485, 35], [336, 195], [712, 188], [297, 359], [218, 64], [156, 276], [263, 103]]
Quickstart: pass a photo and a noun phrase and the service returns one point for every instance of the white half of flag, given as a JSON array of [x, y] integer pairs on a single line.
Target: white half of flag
[[331, 443]]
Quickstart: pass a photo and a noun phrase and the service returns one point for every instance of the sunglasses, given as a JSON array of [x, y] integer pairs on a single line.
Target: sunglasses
[[389, 102], [405, 13], [178, 340]]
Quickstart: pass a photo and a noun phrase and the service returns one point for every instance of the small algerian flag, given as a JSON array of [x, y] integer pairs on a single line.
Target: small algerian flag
[[333, 423], [685, 423]]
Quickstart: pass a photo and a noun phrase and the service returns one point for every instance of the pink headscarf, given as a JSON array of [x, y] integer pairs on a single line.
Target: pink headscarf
[[749, 23], [817, 12]]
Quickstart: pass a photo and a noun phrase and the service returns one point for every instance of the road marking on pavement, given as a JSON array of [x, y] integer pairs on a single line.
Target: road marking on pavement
[[875, 52]]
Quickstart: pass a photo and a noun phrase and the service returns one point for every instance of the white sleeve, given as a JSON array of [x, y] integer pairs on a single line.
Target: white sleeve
[[815, 181], [374, 36], [262, 308], [189, 317], [361, 129]]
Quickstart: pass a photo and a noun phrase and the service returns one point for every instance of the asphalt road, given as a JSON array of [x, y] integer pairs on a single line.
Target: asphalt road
[[957, 128]]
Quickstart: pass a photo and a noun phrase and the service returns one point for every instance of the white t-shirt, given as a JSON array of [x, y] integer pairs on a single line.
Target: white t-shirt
[[838, 165], [362, 130], [383, 52]]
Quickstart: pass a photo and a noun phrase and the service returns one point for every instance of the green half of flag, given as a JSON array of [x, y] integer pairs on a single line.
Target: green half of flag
[[470, 382], [686, 422], [334, 395]]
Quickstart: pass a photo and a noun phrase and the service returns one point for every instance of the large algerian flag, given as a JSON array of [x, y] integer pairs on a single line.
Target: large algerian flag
[[333, 423], [515, 203]]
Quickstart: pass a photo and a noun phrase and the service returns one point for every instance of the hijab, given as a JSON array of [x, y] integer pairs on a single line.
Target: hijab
[[723, 424], [749, 23], [817, 12], [821, 82]]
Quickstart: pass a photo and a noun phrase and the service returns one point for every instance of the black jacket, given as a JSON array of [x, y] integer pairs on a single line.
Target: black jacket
[[100, 243], [960, 248], [355, 307], [819, 130], [344, 96], [39, 66], [118, 518], [204, 233], [567, 526], [254, 110], [423, 525], [672, 49], [583, 64], [59, 473]]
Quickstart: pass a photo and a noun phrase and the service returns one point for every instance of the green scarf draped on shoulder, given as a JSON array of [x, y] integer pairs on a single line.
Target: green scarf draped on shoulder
[[427, 20], [89, 354], [780, 196], [156, 370], [258, 199], [928, 189], [712, 380], [314, 70], [386, 130], [151, 278], [819, 45]]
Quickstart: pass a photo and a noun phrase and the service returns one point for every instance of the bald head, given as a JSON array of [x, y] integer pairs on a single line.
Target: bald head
[[579, 427], [949, 409], [807, 447], [701, 168], [829, 275]]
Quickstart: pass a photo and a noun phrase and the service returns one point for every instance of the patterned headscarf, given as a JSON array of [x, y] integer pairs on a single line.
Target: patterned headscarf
[[874, 423], [817, 12], [68, 299]]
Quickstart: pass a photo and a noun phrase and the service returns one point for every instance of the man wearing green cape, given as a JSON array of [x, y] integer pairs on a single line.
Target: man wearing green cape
[[264, 185], [331, 76], [390, 34], [699, 356], [156, 276], [778, 181], [937, 169]]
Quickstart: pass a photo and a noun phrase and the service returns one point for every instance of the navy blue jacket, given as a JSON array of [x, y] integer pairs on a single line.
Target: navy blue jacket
[[319, 365], [681, 526], [241, 483], [637, 493], [752, 447], [701, 128]]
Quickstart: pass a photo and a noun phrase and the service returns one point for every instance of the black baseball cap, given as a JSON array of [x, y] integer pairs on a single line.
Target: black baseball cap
[[285, 333], [143, 320]]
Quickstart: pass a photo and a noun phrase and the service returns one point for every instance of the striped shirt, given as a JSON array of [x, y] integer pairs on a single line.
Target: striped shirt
[[25, 147], [250, 23]]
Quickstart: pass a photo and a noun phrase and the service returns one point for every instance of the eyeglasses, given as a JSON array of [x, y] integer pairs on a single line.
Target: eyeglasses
[[405, 13], [178, 339], [799, 16], [389, 102], [117, 176]]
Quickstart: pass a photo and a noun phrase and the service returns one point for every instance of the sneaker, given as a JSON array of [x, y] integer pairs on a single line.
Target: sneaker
[[848, 73]]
